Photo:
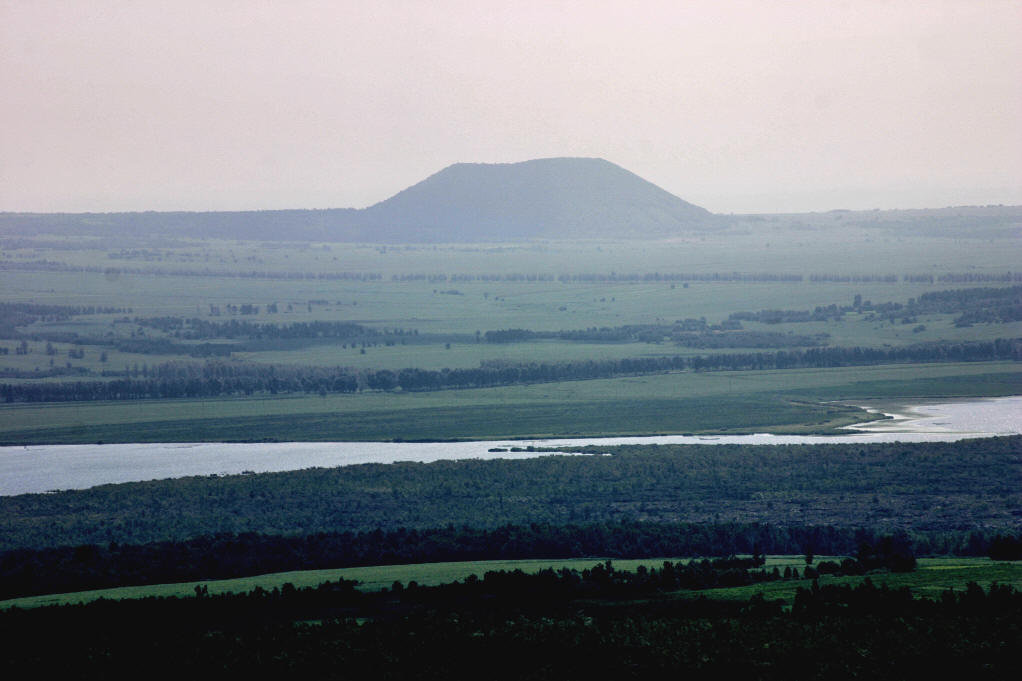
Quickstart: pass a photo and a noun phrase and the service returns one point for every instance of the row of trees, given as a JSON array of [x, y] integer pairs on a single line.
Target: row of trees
[[581, 277], [945, 278], [14, 315], [855, 278], [979, 277], [56, 266], [819, 314], [219, 378], [57, 312], [974, 304], [201, 329], [693, 333], [751, 339]]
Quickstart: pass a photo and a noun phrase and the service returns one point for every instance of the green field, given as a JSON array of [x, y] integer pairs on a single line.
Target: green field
[[733, 402], [484, 305], [931, 577]]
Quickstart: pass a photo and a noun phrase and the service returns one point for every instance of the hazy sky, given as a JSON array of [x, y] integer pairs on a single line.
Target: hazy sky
[[734, 106]]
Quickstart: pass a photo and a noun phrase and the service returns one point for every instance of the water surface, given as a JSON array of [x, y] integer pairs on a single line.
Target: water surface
[[44, 468]]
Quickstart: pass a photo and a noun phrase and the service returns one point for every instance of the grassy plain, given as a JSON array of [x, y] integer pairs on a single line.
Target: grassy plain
[[932, 576], [481, 306], [733, 402], [504, 304], [766, 245], [185, 277]]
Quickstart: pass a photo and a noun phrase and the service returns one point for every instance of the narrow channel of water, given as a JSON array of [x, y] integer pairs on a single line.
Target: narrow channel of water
[[44, 468]]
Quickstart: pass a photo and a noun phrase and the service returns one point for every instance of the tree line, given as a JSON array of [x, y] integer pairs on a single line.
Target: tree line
[[201, 329], [13, 315], [819, 314], [518, 277], [220, 378], [694, 333], [57, 312], [974, 304], [57, 266]]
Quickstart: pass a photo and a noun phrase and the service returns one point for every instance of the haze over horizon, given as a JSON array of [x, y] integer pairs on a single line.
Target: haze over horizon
[[736, 107]]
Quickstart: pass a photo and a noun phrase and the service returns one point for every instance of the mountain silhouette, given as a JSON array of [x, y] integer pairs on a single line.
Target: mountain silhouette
[[545, 198]]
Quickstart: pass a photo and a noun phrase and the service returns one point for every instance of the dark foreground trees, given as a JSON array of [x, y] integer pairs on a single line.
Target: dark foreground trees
[[507, 626]]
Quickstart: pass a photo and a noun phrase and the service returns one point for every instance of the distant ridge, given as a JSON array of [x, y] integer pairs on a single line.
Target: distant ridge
[[553, 198]]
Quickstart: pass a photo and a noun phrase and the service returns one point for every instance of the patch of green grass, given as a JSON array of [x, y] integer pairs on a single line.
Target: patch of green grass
[[929, 580], [371, 578], [1000, 384], [496, 421]]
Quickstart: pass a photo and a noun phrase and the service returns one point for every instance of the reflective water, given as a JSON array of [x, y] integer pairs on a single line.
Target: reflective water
[[999, 415], [50, 467]]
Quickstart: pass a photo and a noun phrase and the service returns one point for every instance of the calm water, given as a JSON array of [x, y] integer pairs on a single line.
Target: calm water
[[51, 467], [995, 415]]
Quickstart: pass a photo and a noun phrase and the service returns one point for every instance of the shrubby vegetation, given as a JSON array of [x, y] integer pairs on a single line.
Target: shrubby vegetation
[[974, 305], [14, 315], [695, 333], [820, 314], [203, 329], [29, 312]]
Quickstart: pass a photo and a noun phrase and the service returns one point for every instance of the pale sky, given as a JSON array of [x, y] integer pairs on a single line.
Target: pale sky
[[734, 106]]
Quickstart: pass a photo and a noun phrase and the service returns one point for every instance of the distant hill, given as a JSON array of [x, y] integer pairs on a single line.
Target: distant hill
[[552, 198], [546, 198]]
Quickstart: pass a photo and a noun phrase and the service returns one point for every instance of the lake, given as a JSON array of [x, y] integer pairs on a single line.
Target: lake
[[44, 468]]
